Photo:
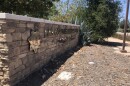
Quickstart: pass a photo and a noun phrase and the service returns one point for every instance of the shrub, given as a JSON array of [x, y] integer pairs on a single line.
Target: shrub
[[102, 18]]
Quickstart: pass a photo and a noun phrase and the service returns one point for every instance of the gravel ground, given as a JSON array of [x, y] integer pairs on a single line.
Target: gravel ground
[[40, 76], [95, 65]]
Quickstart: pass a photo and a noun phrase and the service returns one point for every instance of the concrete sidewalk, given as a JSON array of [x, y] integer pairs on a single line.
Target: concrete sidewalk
[[119, 47]]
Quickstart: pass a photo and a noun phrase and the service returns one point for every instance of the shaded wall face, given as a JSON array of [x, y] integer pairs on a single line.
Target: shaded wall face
[[26, 46]]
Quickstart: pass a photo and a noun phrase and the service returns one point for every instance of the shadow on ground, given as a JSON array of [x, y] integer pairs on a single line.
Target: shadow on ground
[[39, 77], [111, 44]]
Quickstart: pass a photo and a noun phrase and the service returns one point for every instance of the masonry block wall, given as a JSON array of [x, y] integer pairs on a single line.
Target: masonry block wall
[[26, 44]]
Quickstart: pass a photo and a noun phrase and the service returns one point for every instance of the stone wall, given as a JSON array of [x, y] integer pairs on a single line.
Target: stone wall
[[26, 44]]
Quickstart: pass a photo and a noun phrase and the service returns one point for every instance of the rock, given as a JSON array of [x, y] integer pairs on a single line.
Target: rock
[[65, 75], [91, 63]]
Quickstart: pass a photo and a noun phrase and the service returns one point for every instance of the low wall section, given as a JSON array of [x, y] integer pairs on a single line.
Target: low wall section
[[27, 43]]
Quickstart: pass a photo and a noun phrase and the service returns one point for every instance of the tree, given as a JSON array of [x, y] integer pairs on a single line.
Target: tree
[[70, 11], [102, 18], [122, 23], [62, 8], [35, 8]]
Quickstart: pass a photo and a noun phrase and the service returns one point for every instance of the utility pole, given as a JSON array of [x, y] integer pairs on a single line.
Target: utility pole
[[125, 27]]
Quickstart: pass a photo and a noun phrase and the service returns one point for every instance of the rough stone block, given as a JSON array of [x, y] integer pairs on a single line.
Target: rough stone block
[[26, 71], [41, 30], [12, 72], [16, 51], [18, 63], [1, 77], [30, 25], [42, 25], [2, 21], [25, 35], [6, 74], [23, 25], [20, 68], [16, 36], [44, 45], [41, 34], [24, 60], [20, 30], [31, 61], [42, 49], [24, 49], [22, 55], [11, 24], [15, 78], [1, 73], [6, 38], [24, 42], [4, 51], [12, 65], [36, 66], [6, 85], [8, 30], [12, 45]]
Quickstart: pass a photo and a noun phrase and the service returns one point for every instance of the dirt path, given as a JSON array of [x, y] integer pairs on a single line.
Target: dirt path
[[118, 46], [96, 65]]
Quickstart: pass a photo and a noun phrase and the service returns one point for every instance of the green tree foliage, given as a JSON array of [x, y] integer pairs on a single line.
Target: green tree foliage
[[102, 18], [78, 9], [35, 8], [122, 23], [99, 16], [70, 11], [62, 15]]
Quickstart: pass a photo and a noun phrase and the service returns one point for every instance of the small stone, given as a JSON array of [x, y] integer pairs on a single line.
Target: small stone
[[91, 63], [65, 75], [75, 54]]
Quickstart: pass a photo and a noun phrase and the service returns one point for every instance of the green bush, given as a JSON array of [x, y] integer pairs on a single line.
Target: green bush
[[102, 18], [85, 35]]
